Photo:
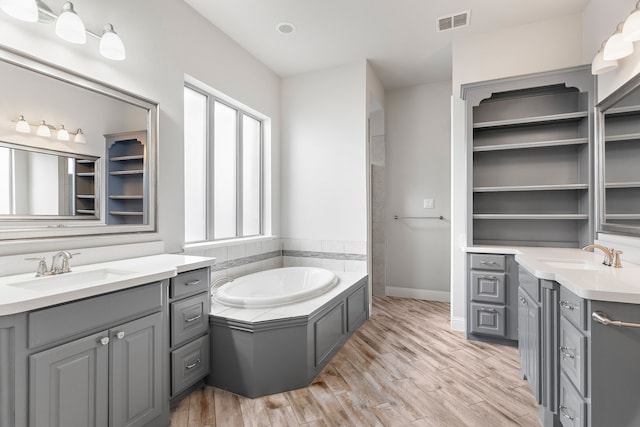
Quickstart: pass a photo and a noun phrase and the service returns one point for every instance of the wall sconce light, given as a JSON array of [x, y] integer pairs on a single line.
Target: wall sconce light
[[43, 129], [617, 47], [599, 65], [68, 25], [631, 29]]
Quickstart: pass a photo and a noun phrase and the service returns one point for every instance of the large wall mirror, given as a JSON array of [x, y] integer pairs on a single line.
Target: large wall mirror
[[618, 155], [99, 178]]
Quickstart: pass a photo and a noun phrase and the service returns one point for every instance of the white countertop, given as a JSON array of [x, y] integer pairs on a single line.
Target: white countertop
[[131, 272], [597, 282]]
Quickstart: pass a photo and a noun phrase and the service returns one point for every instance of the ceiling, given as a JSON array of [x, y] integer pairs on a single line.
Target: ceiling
[[398, 37]]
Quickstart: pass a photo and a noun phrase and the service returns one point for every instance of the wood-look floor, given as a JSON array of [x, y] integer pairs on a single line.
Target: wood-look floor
[[403, 367]]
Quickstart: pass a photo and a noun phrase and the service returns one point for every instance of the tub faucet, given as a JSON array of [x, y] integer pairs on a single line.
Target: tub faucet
[[64, 267], [611, 256]]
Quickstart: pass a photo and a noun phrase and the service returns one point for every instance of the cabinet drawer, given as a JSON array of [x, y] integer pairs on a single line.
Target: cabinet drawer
[[67, 320], [573, 352], [189, 318], [529, 283], [488, 287], [488, 319], [572, 409], [488, 262], [573, 308], [189, 364], [190, 282]]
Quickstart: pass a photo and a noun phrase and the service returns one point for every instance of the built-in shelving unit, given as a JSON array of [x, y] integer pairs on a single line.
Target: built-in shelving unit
[[85, 187], [621, 165], [126, 184], [530, 160]]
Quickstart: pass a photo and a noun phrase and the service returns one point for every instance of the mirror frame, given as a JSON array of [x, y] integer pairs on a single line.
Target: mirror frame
[[32, 228], [600, 112]]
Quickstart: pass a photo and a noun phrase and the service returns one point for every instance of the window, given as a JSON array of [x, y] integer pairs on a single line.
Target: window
[[223, 147]]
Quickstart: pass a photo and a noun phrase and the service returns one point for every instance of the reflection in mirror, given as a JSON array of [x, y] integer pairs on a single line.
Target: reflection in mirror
[[619, 160], [50, 186], [46, 184]]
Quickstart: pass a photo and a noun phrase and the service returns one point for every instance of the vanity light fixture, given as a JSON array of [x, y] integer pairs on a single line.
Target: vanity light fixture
[[43, 129], [24, 10], [68, 25], [617, 47], [599, 65], [63, 135], [631, 29]]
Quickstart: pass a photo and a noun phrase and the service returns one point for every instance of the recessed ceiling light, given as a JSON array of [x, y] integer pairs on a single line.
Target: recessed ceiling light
[[285, 28]]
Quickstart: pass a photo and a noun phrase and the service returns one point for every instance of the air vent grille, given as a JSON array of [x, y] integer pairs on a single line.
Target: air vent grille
[[456, 20]]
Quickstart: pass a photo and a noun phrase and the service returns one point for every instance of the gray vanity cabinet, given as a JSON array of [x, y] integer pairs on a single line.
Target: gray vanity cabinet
[[7, 371], [108, 378]]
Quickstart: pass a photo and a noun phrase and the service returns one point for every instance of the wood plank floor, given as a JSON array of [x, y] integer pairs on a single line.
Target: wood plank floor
[[403, 367]]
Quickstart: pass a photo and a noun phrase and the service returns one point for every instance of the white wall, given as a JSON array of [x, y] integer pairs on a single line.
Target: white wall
[[324, 155], [418, 167], [527, 49], [164, 40]]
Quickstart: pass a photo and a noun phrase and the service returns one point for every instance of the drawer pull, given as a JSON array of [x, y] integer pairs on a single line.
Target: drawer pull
[[120, 335], [193, 319], [489, 277], [489, 310], [104, 341], [192, 282], [566, 353], [602, 317], [194, 364], [488, 262], [565, 414], [568, 306]]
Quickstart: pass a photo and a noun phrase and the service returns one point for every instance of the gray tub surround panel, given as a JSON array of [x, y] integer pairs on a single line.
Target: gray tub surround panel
[[492, 312], [257, 352], [588, 373], [97, 355]]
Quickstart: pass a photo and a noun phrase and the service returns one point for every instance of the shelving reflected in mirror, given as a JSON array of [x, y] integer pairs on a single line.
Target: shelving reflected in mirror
[[619, 160]]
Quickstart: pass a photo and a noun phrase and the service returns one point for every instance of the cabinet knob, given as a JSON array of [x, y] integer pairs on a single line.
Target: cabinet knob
[[565, 304], [120, 335], [565, 414], [523, 301], [104, 340], [194, 364], [566, 353]]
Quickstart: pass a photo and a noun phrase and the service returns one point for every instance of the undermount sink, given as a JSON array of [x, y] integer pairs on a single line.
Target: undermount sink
[[72, 280], [572, 265]]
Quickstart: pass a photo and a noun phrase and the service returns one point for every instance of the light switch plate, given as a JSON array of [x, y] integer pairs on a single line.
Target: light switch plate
[[429, 204]]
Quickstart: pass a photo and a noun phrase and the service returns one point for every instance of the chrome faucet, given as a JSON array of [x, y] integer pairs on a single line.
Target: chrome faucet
[[64, 267], [611, 256]]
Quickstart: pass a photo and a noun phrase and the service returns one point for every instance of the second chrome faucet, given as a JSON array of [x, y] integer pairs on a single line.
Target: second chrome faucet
[[611, 256]]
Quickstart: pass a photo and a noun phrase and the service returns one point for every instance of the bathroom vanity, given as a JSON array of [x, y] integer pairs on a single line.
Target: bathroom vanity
[[92, 347]]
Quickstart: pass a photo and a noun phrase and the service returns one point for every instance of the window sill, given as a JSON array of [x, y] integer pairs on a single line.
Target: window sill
[[229, 242]]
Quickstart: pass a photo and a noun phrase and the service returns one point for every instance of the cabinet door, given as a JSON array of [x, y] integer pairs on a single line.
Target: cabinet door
[[136, 372], [69, 384], [529, 347], [523, 338]]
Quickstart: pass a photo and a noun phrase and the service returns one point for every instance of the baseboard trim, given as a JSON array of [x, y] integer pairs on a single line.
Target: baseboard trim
[[418, 294], [458, 324]]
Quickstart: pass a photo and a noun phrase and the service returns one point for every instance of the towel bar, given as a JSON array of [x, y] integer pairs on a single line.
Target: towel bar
[[602, 317]]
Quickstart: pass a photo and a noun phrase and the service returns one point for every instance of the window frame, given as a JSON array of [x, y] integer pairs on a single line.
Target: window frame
[[210, 197]]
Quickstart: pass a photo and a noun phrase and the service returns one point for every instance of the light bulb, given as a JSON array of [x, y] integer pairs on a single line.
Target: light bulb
[[111, 46], [24, 10], [22, 125], [63, 135], [69, 26], [600, 65], [79, 138], [43, 129]]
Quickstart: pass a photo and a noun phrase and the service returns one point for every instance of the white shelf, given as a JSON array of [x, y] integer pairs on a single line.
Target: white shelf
[[85, 174], [121, 197], [547, 187], [126, 213], [524, 145], [532, 216], [622, 137], [126, 158], [533, 120], [85, 211], [622, 111], [127, 172], [630, 184], [622, 216]]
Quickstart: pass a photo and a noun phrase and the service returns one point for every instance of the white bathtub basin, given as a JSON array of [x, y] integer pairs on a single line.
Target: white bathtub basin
[[71, 280], [272, 288]]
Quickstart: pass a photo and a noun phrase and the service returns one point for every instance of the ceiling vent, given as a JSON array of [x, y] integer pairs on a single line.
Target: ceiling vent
[[457, 20]]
